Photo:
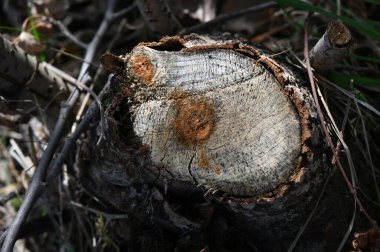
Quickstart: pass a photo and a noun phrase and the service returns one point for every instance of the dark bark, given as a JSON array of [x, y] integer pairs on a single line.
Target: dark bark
[[169, 210]]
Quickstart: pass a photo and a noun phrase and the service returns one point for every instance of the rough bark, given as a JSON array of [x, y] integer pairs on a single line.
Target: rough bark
[[20, 71], [208, 139], [332, 47], [224, 124]]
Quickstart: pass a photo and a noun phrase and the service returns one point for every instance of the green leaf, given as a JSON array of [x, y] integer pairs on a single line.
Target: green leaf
[[16, 203], [359, 25], [377, 2], [36, 35], [66, 246], [34, 30], [344, 80], [42, 57], [358, 57], [10, 28], [373, 22]]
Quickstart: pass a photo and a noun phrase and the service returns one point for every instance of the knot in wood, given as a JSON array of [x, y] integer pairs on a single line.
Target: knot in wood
[[214, 113], [143, 69], [194, 121]]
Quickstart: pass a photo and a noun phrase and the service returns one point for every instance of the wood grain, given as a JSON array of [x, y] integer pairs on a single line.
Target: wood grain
[[190, 115], [19, 70], [214, 117]]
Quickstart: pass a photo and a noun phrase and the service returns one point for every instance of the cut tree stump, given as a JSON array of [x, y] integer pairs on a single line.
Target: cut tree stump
[[208, 143]]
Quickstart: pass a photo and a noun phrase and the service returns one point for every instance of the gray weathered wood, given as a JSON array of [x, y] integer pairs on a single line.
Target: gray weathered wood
[[247, 146], [189, 116], [19, 70], [215, 113], [331, 47]]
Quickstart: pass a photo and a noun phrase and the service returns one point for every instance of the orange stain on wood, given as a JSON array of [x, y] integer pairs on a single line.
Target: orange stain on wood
[[217, 169], [143, 69], [194, 121], [203, 161]]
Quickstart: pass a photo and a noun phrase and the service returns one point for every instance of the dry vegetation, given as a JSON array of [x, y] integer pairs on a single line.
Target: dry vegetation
[[35, 128]]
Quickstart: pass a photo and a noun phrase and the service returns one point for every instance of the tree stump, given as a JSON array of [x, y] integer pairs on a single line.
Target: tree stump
[[210, 137]]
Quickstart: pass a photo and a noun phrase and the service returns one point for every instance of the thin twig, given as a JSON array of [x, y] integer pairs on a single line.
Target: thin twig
[[349, 229], [368, 150], [67, 33], [87, 96], [309, 218], [73, 56], [98, 102], [91, 113], [224, 17], [40, 110], [329, 140], [338, 7], [108, 216], [4, 199], [123, 12], [342, 90], [345, 118], [351, 95], [303, 228], [37, 181]]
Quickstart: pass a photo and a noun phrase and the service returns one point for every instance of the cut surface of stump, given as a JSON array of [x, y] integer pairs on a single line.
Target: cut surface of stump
[[210, 113], [213, 138]]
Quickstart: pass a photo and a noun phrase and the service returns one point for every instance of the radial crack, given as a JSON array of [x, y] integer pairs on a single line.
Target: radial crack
[[189, 168]]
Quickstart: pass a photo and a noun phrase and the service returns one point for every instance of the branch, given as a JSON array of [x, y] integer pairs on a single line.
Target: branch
[[37, 180], [124, 11], [91, 114], [333, 45], [222, 18], [23, 72], [351, 188], [67, 33]]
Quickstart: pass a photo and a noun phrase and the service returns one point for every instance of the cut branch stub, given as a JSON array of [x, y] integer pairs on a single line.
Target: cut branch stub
[[219, 114], [331, 47]]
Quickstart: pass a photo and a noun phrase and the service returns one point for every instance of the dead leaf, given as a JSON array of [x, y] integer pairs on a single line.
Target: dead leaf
[[368, 241], [29, 44]]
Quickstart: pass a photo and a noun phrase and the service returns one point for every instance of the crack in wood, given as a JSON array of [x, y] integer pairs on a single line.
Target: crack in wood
[[189, 168]]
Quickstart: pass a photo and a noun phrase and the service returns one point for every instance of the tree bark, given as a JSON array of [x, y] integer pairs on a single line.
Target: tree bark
[[20, 71], [332, 47], [209, 143]]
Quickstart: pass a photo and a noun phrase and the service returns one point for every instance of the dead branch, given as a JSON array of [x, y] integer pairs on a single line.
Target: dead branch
[[30, 198], [225, 17], [350, 186], [330, 49]]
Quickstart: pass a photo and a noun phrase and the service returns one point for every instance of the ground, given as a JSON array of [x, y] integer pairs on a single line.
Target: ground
[[69, 217]]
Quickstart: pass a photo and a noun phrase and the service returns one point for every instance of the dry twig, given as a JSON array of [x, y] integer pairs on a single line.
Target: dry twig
[[223, 18], [10, 235], [329, 140]]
